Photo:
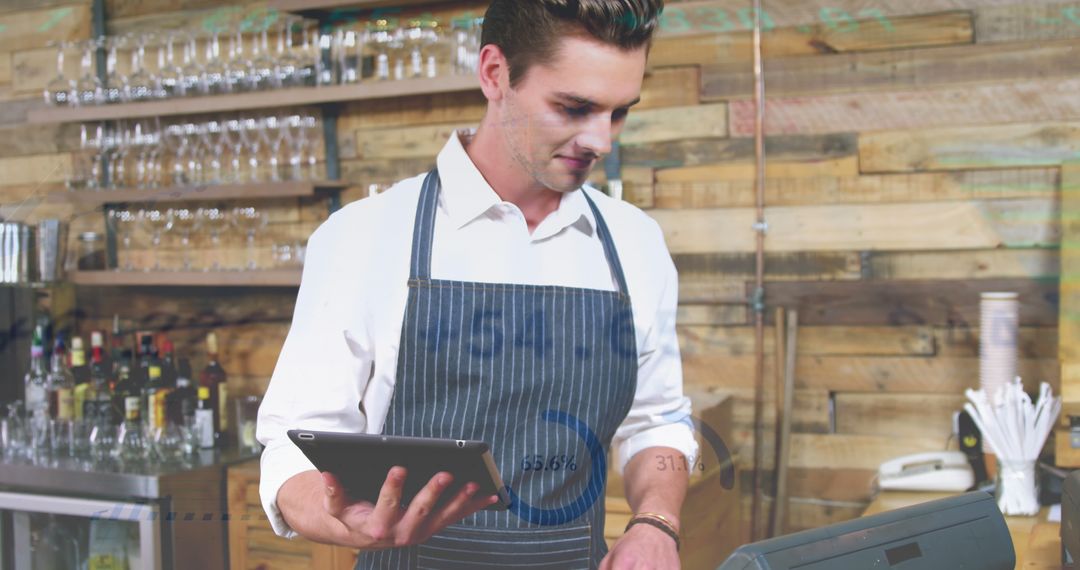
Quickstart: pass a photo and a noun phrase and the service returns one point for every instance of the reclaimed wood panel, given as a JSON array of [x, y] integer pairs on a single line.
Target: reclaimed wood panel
[[884, 374], [846, 166], [1032, 342], [1029, 263], [1013, 102], [944, 28], [895, 70], [892, 227], [670, 87], [1027, 21], [711, 314], [972, 147], [674, 123], [695, 152], [854, 451], [924, 415], [921, 302], [717, 189], [778, 266], [30, 29], [815, 340], [1069, 325]]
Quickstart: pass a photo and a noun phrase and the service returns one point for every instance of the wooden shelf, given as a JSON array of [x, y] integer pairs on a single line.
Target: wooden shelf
[[260, 100], [321, 5], [256, 278], [92, 198]]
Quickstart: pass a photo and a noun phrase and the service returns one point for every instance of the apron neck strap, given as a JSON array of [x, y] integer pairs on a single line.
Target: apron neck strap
[[424, 234]]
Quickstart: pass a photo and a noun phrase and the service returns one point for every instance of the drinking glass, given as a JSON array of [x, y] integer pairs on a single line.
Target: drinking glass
[[250, 220], [123, 222], [184, 221], [348, 56], [14, 433], [192, 71], [86, 172], [58, 90], [80, 438], [170, 77], [251, 137], [312, 132], [236, 65], [380, 37], [262, 73], [155, 222], [293, 133], [288, 60], [194, 154], [274, 135], [216, 222], [308, 55], [88, 89], [102, 440], [214, 78], [131, 444], [233, 140], [60, 437], [118, 141], [167, 442], [212, 137], [140, 85], [113, 90]]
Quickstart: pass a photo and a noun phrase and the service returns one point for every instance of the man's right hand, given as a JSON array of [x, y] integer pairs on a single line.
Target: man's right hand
[[386, 524]]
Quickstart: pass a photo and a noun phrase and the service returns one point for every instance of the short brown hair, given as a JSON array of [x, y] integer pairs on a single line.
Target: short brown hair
[[528, 31]]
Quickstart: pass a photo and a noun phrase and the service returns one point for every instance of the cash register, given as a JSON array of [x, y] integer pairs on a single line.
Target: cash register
[[965, 531]]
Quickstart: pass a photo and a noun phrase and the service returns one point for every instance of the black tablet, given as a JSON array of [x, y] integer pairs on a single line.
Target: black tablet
[[362, 461]]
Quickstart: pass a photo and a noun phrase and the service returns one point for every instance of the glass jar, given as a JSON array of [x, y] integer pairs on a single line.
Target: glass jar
[[91, 252]]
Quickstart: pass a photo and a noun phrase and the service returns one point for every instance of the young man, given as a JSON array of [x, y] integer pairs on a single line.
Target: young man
[[497, 299]]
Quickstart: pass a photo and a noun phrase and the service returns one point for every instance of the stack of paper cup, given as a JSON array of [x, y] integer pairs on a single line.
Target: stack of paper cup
[[998, 323]]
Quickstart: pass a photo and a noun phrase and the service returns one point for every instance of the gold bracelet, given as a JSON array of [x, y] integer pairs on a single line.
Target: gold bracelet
[[661, 518]]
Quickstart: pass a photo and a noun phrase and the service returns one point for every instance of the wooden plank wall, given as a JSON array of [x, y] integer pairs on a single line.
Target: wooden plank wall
[[915, 152]]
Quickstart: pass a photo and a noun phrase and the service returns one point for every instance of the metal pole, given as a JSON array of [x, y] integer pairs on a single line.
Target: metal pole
[[97, 31]]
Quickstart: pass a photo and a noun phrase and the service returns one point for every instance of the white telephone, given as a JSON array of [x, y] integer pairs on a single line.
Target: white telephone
[[934, 471]]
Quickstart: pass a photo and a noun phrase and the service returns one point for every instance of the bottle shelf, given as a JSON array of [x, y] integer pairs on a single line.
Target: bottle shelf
[[321, 5], [297, 189], [252, 278], [293, 97]]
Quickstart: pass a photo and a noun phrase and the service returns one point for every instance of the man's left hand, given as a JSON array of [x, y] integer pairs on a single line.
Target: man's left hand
[[642, 548]]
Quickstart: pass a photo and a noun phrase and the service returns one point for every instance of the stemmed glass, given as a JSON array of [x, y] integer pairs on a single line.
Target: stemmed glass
[[251, 138], [237, 65], [274, 134], [87, 172], [123, 222], [289, 63], [88, 87], [261, 72], [119, 143], [170, 77], [310, 124], [184, 221], [191, 71], [140, 85], [216, 221], [212, 137], [58, 91], [155, 222], [215, 72], [113, 91], [174, 139], [251, 220]]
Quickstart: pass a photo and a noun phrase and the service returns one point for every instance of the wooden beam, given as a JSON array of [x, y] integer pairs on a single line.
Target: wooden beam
[[885, 227], [1012, 102], [701, 314], [36, 28], [972, 147], [778, 266], [963, 342], [1026, 22], [927, 302], [670, 87], [895, 70], [694, 152], [842, 167], [725, 186], [675, 123]]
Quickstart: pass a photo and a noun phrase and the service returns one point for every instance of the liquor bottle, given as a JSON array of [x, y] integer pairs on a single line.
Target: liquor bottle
[[155, 392], [214, 379], [145, 357], [204, 419], [37, 379], [126, 395], [97, 406], [184, 399], [168, 362], [61, 385], [81, 372]]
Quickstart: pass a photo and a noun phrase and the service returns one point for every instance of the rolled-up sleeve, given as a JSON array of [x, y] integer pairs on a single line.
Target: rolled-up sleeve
[[320, 374], [660, 413]]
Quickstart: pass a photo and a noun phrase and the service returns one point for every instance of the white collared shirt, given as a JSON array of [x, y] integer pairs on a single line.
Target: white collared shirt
[[336, 371]]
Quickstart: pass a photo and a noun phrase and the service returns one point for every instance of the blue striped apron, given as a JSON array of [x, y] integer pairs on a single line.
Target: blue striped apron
[[545, 375]]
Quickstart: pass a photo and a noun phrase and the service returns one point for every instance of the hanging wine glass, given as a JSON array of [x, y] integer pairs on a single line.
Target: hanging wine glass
[[184, 221], [123, 222], [58, 91], [308, 55], [140, 85], [231, 136], [194, 155], [274, 134], [252, 140], [173, 137], [211, 135], [293, 133], [88, 87], [155, 222], [215, 221], [250, 220], [311, 142]]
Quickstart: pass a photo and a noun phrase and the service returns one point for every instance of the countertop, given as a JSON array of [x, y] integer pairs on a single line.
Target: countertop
[[1037, 541]]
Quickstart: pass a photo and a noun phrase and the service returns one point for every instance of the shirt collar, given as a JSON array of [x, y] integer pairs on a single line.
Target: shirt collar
[[466, 195]]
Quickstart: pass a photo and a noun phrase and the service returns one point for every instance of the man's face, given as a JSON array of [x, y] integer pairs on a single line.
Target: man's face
[[562, 116]]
